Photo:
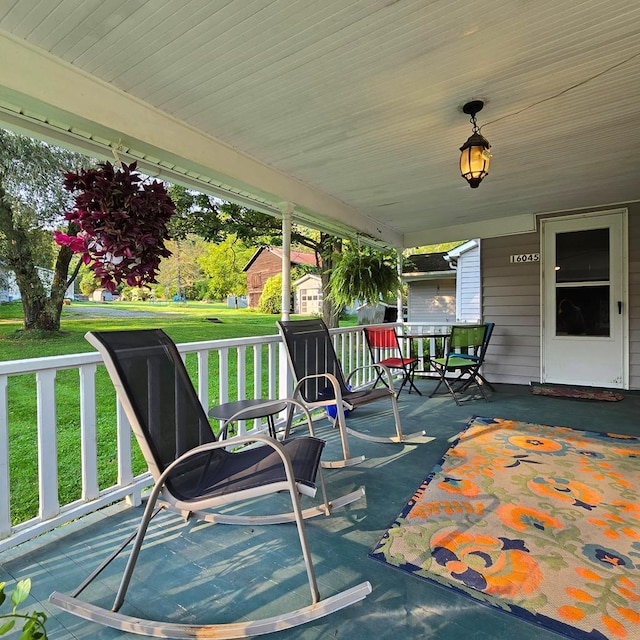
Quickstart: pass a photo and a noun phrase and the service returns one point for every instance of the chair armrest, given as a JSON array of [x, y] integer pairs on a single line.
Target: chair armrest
[[332, 380], [378, 367]]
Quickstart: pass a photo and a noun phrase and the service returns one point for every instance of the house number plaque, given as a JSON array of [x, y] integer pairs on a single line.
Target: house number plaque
[[525, 257]]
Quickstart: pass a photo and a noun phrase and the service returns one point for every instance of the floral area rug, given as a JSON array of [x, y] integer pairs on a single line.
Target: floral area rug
[[542, 522]]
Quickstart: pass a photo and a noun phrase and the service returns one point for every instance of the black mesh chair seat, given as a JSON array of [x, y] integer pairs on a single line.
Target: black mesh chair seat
[[220, 472]]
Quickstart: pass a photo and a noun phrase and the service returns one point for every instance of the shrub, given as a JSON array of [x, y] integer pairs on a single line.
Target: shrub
[[271, 298], [33, 627]]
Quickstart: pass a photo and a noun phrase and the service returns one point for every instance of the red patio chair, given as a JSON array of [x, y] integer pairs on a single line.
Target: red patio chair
[[384, 347]]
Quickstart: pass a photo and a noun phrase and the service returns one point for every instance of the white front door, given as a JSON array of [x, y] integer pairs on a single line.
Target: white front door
[[584, 300]]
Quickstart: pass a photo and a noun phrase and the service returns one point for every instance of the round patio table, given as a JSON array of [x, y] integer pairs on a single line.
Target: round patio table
[[249, 409]]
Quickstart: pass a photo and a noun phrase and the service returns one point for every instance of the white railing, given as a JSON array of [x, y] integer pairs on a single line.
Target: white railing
[[255, 365]]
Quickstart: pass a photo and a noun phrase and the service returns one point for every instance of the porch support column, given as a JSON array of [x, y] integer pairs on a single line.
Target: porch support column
[[285, 385], [287, 211], [399, 298]]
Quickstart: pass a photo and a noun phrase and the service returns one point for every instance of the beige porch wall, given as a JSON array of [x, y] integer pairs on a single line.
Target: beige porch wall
[[511, 299]]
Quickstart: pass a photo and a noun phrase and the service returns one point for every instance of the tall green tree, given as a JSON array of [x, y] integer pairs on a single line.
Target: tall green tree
[[223, 265], [87, 281], [181, 271], [32, 204], [214, 220]]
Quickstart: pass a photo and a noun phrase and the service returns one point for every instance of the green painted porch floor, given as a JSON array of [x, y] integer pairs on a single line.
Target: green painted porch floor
[[214, 573]]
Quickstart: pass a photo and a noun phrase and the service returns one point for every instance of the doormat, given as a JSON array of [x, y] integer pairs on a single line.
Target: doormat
[[578, 393], [540, 522]]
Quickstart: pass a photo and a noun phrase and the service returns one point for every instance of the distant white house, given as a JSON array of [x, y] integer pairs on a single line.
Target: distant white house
[[444, 287], [376, 313], [466, 261], [307, 297], [101, 295], [9, 290]]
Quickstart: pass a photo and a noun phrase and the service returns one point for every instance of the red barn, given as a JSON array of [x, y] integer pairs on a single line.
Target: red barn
[[267, 262]]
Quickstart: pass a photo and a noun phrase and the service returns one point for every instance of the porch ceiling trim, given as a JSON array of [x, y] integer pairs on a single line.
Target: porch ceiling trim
[[97, 117], [524, 223], [429, 275]]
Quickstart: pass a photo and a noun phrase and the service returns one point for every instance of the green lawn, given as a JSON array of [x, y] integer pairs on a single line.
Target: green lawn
[[183, 322]]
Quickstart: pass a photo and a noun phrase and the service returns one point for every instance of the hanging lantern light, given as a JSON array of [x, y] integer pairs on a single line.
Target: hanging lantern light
[[475, 156]]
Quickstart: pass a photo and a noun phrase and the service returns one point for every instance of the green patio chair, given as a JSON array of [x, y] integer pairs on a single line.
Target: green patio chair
[[459, 369]]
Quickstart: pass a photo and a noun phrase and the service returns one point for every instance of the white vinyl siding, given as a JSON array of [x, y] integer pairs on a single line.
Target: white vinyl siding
[[432, 301], [511, 299], [468, 288], [634, 296]]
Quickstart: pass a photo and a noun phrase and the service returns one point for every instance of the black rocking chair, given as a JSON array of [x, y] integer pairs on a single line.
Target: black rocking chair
[[320, 382], [194, 473]]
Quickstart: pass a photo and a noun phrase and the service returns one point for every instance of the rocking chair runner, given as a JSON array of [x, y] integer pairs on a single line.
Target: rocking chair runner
[[320, 382], [194, 472]]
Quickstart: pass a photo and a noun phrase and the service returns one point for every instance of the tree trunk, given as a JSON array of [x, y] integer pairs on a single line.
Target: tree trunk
[[330, 312], [41, 311], [59, 286], [35, 309]]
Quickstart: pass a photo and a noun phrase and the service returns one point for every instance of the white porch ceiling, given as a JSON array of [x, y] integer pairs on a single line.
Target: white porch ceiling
[[350, 111]]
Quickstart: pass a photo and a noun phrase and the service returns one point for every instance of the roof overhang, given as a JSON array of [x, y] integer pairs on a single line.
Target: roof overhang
[[347, 114], [428, 275], [32, 102]]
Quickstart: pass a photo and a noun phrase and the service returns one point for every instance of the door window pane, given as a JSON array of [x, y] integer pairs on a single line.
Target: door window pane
[[582, 256], [582, 311]]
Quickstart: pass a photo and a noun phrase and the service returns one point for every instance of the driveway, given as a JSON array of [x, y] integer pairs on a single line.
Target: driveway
[[101, 309]]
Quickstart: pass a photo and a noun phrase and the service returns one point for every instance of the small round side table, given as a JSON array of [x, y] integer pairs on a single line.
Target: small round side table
[[249, 409]]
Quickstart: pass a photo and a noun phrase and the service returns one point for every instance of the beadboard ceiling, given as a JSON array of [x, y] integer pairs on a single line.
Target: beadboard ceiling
[[346, 112]]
